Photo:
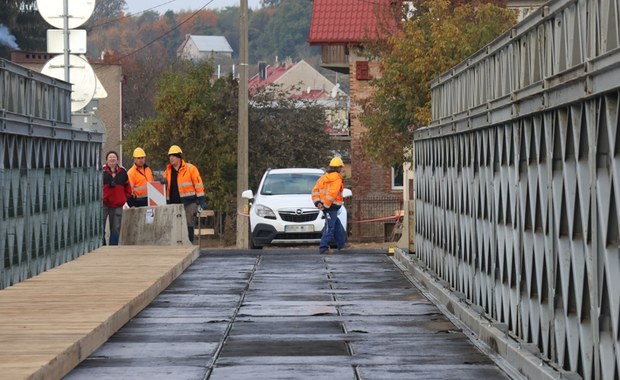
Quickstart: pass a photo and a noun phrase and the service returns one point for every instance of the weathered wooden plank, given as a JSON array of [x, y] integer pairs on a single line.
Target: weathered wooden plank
[[51, 322]]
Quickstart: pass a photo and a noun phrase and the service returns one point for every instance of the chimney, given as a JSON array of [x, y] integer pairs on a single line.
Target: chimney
[[262, 70], [288, 62]]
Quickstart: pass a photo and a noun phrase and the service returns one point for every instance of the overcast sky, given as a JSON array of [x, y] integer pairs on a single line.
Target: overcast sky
[[161, 6]]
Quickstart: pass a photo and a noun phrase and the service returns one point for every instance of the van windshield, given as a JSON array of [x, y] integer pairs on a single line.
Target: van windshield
[[291, 183]]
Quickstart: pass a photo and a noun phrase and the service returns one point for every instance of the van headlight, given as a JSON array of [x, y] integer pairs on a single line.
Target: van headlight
[[264, 212]]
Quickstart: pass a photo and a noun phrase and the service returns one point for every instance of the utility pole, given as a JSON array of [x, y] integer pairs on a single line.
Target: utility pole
[[65, 9], [242, 144]]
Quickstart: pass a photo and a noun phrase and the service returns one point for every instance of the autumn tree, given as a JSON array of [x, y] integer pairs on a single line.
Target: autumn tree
[[106, 10], [201, 116], [200, 22], [440, 34]]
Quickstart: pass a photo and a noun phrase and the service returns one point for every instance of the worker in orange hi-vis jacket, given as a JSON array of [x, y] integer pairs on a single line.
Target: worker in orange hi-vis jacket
[[139, 175], [327, 197], [184, 186]]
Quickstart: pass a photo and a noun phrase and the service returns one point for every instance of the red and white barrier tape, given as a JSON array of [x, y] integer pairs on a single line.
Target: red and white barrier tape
[[392, 217]]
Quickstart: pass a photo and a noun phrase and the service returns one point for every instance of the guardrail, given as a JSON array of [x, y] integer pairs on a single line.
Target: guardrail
[[50, 177]]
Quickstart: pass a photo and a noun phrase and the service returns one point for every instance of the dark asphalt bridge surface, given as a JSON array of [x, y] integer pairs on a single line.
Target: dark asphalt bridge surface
[[289, 314]]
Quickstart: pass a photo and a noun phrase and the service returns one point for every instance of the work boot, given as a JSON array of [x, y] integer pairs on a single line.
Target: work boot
[[345, 246], [324, 251]]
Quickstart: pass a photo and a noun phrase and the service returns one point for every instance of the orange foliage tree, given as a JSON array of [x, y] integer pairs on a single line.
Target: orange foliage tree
[[438, 35]]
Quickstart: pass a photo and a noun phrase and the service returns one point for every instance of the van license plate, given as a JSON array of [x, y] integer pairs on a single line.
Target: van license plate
[[302, 228]]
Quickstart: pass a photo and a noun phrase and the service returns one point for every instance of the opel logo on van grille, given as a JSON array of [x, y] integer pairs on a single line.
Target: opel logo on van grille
[[299, 211]]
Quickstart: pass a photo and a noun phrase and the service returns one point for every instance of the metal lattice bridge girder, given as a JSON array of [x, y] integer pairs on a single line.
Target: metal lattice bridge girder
[[50, 185], [518, 183]]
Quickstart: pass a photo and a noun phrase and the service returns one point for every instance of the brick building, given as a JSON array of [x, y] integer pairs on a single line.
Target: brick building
[[340, 27]]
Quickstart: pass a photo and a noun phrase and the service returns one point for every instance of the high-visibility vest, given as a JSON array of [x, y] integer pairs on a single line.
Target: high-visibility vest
[[328, 189], [139, 177], [188, 180]]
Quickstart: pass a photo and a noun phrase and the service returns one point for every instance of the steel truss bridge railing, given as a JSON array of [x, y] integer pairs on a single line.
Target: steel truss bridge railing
[[50, 177], [518, 184]]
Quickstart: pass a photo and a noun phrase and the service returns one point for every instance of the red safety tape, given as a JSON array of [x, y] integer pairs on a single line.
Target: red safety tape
[[375, 219], [350, 221]]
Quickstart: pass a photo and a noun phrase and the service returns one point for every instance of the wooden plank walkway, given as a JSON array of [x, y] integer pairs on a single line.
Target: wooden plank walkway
[[51, 322]]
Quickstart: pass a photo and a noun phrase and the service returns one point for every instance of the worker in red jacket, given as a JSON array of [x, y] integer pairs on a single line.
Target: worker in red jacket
[[116, 191]]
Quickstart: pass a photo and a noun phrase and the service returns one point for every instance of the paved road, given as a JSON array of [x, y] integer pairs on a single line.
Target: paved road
[[289, 314]]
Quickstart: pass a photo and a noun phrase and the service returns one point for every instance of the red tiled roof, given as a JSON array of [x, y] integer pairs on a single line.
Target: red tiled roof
[[272, 74], [346, 21]]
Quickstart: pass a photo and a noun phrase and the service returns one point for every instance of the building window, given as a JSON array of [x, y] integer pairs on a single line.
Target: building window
[[397, 177], [362, 70]]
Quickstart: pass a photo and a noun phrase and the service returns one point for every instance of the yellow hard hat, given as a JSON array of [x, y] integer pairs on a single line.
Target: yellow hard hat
[[138, 153], [174, 150], [336, 161]]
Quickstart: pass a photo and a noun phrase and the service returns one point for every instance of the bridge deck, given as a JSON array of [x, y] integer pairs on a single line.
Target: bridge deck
[[286, 314], [51, 322]]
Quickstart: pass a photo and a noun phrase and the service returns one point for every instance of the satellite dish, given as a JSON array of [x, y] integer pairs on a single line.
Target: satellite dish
[[81, 75], [53, 12], [335, 90], [100, 92]]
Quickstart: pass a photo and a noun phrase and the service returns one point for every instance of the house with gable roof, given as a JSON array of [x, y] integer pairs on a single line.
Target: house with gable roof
[[300, 78], [216, 48], [304, 82]]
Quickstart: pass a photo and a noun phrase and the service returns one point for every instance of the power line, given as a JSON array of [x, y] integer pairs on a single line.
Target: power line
[[163, 35], [130, 15]]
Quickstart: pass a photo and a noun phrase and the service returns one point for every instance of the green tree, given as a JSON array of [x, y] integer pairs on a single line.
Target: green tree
[[270, 3], [440, 34], [258, 21], [286, 33], [201, 116], [25, 28], [228, 26], [285, 132]]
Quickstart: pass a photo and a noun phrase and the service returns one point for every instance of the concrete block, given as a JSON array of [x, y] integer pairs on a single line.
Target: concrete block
[[154, 225]]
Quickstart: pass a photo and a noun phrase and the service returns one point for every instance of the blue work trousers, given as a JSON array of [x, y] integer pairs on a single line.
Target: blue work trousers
[[333, 230]]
